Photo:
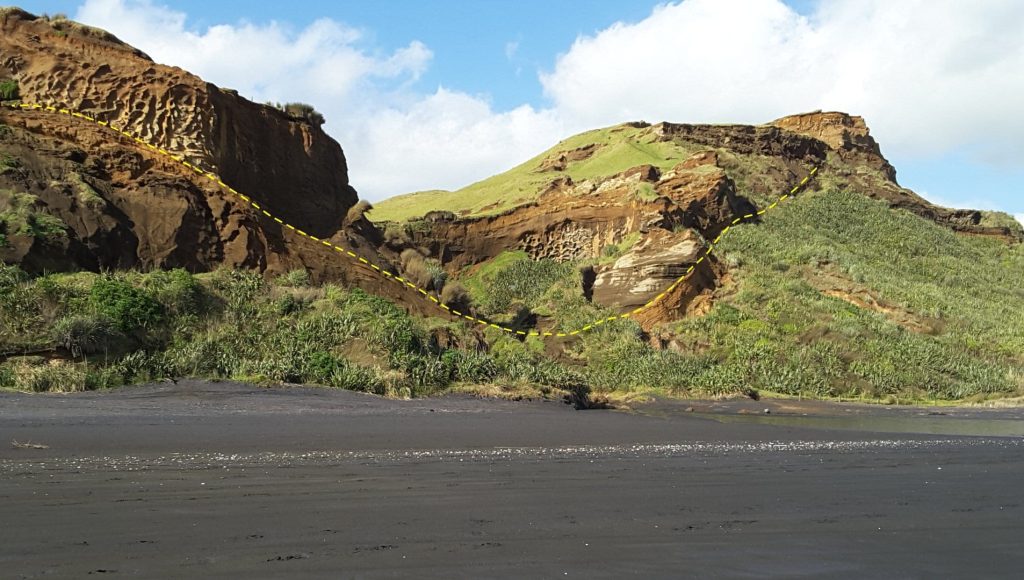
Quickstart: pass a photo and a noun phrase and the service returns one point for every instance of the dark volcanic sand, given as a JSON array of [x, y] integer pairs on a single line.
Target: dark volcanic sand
[[204, 480]]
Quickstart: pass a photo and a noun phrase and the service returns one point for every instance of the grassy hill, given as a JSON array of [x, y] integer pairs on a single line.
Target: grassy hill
[[618, 148]]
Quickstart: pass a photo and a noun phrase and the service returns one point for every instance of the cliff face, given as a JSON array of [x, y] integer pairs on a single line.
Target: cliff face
[[291, 166], [667, 217], [118, 204]]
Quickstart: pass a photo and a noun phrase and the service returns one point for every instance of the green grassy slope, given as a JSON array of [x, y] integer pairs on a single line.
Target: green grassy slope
[[774, 330], [623, 147], [771, 329]]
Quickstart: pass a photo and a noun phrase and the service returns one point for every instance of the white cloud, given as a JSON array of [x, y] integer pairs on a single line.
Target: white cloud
[[320, 63], [446, 139], [928, 75], [1020, 218]]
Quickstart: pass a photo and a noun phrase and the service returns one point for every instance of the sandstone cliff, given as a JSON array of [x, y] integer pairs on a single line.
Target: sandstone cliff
[[289, 165]]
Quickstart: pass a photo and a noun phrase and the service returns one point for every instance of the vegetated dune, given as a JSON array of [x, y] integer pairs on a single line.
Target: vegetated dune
[[855, 286]]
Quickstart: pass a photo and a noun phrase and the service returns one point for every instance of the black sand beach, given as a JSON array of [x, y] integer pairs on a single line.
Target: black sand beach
[[225, 480]]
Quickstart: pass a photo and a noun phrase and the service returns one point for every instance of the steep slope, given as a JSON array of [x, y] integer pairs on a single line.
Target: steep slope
[[140, 211]]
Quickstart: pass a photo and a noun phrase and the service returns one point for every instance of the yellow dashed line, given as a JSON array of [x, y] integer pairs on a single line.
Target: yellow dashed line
[[352, 255]]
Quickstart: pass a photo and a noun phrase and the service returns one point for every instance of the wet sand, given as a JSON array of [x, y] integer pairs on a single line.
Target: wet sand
[[226, 480]]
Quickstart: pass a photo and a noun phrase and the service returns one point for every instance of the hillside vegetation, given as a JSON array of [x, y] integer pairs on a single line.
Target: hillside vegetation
[[85, 331], [940, 316]]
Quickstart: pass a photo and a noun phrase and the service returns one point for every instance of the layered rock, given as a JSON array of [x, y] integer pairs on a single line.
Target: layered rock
[[647, 269], [289, 165], [847, 135]]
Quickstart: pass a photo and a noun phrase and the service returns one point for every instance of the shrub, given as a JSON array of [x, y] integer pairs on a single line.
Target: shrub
[[9, 90], [320, 366], [177, 290], [7, 376], [304, 112], [130, 308]]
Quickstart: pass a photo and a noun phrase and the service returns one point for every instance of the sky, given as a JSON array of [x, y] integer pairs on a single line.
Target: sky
[[437, 94]]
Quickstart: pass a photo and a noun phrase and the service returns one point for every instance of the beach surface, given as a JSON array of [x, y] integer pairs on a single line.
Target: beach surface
[[201, 479]]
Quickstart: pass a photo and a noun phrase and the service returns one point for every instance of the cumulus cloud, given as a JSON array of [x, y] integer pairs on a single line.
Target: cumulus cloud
[[1020, 218], [447, 139], [928, 75], [265, 61]]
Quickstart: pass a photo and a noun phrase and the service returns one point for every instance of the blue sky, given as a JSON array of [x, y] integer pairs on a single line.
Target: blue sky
[[474, 87]]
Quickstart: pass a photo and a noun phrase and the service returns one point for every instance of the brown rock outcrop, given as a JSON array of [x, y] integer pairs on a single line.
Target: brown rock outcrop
[[647, 269], [291, 166], [846, 134], [578, 220]]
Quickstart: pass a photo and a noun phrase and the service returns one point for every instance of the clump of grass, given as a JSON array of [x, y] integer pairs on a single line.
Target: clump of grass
[[357, 211], [9, 90], [298, 278], [8, 163], [455, 296], [85, 334], [87, 195], [53, 376], [511, 280], [23, 216], [416, 269]]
